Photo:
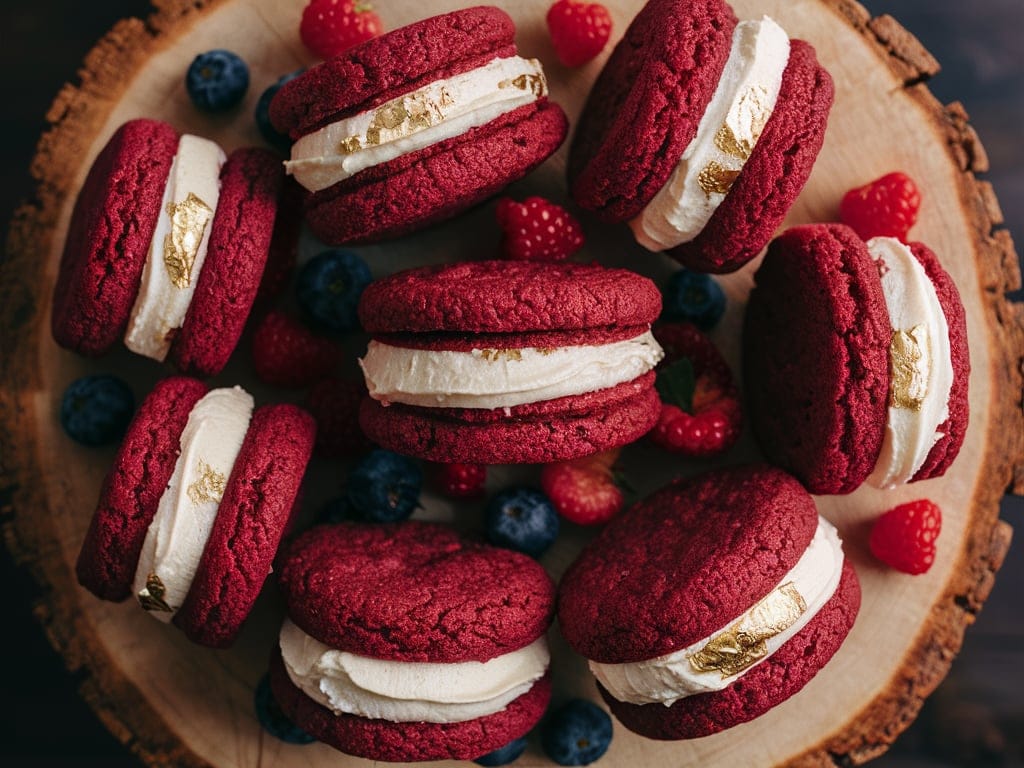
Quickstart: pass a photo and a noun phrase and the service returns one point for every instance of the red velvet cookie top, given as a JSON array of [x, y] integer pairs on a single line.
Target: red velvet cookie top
[[414, 592], [646, 104], [387, 66], [685, 561], [508, 297]]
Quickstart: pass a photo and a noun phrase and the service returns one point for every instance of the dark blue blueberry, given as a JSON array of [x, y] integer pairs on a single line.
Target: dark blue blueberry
[[577, 734], [273, 720], [217, 80], [505, 755], [523, 519], [329, 286], [96, 410], [695, 297], [385, 487], [270, 134]]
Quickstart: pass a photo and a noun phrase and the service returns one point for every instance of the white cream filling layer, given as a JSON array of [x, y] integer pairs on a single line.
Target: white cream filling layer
[[920, 364], [720, 659], [404, 692], [184, 518], [436, 112], [178, 249], [492, 378], [728, 132]]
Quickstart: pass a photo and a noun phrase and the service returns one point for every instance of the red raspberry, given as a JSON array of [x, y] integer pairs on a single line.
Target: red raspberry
[[287, 354], [904, 537], [461, 481], [579, 31], [330, 27], [885, 207], [700, 412], [334, 403], [584, 490], [537, 230]]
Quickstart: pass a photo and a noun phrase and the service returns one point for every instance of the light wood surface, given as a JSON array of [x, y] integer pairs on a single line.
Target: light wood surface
[[183, 705]]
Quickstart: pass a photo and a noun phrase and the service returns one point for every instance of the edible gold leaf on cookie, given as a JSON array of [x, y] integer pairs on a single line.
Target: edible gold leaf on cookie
[[752, 110], [715, 179], [492, 355], [406, 115], [181, 245], [349, 145], [533, 83], [210, 485], [151, 597], [745, 642], [909, 386]]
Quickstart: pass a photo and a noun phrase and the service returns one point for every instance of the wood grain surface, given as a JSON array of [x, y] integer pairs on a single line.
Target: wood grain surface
[[974, 718]]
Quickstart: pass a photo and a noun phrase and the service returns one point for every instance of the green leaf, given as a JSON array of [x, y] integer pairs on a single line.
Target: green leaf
[[676, 384]]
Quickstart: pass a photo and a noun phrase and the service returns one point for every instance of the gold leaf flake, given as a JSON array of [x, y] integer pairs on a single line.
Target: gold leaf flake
[[745, 642], [210, 485], [350, 145], [715, 179], [492, 355], [532, 82], [909, 386], [151, 597], [181, 245], [545, 350], [727, 141]]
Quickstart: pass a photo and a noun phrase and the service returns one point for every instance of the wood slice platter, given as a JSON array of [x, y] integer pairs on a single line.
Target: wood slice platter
[[178, 704]]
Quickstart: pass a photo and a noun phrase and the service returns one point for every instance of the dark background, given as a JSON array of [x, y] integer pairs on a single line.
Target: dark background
[[975, 718]]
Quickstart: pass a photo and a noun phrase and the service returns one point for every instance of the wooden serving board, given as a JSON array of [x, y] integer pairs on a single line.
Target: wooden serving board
[[178, 704]]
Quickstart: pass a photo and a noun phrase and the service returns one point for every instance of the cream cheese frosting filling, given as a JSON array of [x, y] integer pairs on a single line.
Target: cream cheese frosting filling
[[403, 691], [728, 132], [184, 518], [920, 364], [178, 249], [502, 378], [717, 661], [438, 111]]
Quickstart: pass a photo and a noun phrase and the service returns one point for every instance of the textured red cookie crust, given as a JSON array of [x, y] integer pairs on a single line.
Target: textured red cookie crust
[[954, 428], [401, 742], [133, 487], [438, 181], [251, 183], [646, 104], [680, 564], [773, 681], [816, 357], [251, 519], [414, 592], [773, 176], [530, 434], [387, 66], [508, 297], [109, 235]]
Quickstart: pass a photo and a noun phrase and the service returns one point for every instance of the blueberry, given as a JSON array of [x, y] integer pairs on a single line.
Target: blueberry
[[503, 755], [522, 519], [695, 297], [329, 286], [270, 134], [273, 720], [96, 410], [577, 734], [217, 80], [385, 487]]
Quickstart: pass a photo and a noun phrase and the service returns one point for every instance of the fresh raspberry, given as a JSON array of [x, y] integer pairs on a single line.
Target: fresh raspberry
[[904, 537], [579, 31], [584, 490], [331, 27], [885, 207], [537, 230], [700, 412], [461, 481], [334, 403], [287, 354]]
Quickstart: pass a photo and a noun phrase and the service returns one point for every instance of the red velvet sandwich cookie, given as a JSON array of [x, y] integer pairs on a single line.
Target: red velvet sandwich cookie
[[855, 360], [509, 362], [408, 642], [166, 247], [709, 602], [192, 511], [722, 123], [416, 125]]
